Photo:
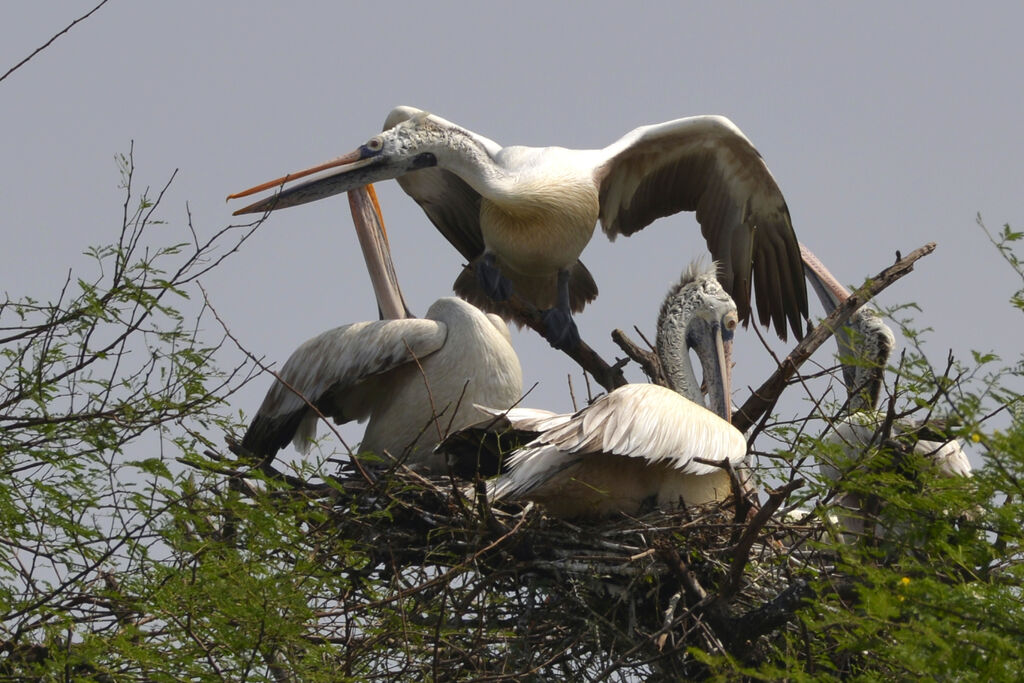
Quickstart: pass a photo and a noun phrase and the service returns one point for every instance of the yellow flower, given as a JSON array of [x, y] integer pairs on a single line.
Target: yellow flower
[[905, 580], [975, 437]]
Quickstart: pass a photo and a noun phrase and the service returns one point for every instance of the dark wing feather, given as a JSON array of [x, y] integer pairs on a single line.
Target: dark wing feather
[[705, 164], [340, 372], [449, 202], [451, 205]]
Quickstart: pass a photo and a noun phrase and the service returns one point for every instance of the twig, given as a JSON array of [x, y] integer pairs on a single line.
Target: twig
[[648, 360], [50, 41]]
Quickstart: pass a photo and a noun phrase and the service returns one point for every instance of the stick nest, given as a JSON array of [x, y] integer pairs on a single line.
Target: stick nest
[[437, 582]]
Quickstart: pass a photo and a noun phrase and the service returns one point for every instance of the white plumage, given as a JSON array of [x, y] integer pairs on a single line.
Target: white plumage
[[413, 379], [522, 215], [640, 445], [369, 371]]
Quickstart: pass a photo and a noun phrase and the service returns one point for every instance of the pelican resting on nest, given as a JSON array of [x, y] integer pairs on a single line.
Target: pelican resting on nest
[[521, 216], [641, 445], [414, 379]]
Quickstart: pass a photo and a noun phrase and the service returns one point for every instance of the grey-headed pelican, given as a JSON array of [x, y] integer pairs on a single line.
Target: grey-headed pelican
[[521, 216], [641, 444], [865, 346], [413, 378]]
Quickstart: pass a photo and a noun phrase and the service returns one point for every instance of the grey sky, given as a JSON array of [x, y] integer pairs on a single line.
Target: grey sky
[[887, 125]]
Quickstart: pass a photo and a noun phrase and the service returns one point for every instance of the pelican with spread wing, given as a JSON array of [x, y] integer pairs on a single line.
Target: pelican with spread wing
[[522, 216]]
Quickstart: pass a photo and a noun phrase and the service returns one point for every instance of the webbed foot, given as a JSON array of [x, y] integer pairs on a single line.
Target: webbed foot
[[495, 285], [560, 329]]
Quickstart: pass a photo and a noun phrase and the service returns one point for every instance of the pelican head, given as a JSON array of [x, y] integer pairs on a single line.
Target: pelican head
[[407, 144], [865, 343], [699, 315]]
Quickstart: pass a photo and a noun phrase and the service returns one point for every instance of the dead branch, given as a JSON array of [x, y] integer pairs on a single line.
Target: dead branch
[[763, 399], [50, 41], [647, 360], [746, 542]]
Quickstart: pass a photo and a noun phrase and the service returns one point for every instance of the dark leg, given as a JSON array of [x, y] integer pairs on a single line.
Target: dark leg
[[495, 285], [559, 327]]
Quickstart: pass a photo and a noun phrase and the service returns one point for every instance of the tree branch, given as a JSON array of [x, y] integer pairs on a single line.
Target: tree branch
[[50, 41], [648, 360], [608, 376], [764, 397]]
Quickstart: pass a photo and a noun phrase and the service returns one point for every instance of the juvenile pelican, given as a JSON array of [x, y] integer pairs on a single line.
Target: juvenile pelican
[[640, 444], [522, 215], [414, 379], [865, 346]]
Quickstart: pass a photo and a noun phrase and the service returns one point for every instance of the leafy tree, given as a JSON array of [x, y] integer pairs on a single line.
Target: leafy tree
[[132, 547], [135, 548]]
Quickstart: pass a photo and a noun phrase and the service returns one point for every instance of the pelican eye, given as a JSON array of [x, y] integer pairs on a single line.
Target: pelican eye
[[375, 144], [729, 321]]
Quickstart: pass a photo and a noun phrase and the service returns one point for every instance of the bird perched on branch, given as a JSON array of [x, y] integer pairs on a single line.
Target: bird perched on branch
[[414, 379], [521, 215], [641, 444], [865, 346]]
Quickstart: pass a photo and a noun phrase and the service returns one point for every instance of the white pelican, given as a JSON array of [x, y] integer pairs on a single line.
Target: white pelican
[[641, 444], [414, 378], [865, 346], [522, 215]]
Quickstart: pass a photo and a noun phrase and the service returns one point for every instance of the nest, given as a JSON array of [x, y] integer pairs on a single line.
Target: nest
[[433, 584], [439, 582]]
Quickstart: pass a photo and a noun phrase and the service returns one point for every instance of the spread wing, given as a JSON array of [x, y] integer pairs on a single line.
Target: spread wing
[[450, 204], [706, 164], [343, 373], [637, 420]]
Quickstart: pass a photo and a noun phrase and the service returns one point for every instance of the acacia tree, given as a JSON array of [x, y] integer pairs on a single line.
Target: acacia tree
[[101, 389], [134, 547]]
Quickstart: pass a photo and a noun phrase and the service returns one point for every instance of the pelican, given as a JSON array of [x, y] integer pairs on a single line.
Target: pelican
[[521, 215], [413, 378], [865, 346], [641, 443]]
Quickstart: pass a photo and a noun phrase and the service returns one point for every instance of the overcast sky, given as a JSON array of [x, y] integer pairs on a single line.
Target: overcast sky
[[887, 125]]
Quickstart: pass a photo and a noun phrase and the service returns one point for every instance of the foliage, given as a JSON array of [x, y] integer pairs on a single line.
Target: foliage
[[99, 391], [936, 591], [132, 549]]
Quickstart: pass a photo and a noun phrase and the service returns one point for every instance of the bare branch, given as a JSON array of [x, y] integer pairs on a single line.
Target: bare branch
[[50, 41], [608, 376], [764, 397]]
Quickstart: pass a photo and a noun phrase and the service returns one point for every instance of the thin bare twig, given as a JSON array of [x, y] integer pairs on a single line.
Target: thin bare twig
[[50, 41]]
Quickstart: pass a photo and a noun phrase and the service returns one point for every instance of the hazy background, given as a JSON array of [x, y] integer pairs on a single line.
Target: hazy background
[[887, 125]]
